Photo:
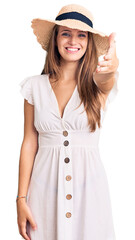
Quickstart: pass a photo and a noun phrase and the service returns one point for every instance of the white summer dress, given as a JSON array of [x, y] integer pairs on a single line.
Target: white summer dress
[[68, 192]]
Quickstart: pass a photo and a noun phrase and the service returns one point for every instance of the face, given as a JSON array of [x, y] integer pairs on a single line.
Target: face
[[71, 43]]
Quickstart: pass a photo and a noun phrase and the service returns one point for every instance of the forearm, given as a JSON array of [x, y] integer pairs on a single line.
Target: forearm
[[105, 81], [27, 156]]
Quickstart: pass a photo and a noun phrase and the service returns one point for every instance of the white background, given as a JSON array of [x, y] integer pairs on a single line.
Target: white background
[[21, 56]]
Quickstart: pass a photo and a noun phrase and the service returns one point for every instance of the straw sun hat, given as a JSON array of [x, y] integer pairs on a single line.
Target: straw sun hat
[[73, 16]]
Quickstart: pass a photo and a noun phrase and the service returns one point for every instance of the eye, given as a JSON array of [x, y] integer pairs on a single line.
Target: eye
[[82, 35], [65, 34]]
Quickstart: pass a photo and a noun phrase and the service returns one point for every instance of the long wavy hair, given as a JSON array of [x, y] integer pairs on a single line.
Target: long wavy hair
[[88, 90]]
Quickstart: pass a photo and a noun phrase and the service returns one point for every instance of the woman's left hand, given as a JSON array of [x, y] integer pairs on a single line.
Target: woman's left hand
[[110, 62]]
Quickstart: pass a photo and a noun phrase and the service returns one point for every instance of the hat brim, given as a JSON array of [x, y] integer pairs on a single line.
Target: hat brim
[[43, 29]]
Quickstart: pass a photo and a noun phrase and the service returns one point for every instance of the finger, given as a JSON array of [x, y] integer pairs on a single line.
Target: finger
[[24, 234], [32, 222], [105, 63], [112, 45], [22, 231], [108, 56], [111, 50], [102, 70], [112, 39]]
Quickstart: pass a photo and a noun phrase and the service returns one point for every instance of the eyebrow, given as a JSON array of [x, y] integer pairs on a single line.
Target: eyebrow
[[70, 31]]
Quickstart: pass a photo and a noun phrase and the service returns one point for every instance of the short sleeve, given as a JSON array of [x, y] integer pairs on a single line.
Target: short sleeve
[[113, 93], [26, 89]]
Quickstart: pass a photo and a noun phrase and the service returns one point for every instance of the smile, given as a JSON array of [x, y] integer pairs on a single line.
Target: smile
[[72, 50]]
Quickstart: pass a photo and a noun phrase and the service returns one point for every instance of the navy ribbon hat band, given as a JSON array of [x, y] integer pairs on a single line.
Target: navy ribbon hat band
[[76, 16]]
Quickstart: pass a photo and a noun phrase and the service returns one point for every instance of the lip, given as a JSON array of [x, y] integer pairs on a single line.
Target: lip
[[72, 48]]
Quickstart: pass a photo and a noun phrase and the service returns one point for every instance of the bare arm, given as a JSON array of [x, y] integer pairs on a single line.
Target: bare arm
[[28, 149], [105, 81], [27, 155], [104, 76]]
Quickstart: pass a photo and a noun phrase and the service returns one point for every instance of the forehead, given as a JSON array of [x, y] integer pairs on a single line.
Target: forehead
[[63, 28]]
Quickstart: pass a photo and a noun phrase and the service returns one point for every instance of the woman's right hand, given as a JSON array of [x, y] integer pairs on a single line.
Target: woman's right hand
[[23, 215]]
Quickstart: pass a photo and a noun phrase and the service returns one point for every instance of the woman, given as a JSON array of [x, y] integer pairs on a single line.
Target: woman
[[63, 191]]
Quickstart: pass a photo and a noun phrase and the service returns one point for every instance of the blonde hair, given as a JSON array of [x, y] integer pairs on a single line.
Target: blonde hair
[[88, 90]]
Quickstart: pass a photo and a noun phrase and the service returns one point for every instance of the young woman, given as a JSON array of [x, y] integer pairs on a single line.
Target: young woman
[[63, 191]]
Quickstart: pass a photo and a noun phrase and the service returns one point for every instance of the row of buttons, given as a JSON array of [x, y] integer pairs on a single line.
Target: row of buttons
[[66, 143], [68, 177]]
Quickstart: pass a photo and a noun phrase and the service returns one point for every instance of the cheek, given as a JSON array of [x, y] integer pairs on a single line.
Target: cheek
[[60, 43], [85, 45]]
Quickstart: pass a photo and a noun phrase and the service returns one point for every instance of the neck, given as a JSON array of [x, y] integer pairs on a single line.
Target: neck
[[68, 71]]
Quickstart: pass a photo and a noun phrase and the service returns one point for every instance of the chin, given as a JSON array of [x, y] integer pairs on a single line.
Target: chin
[[72, 58]]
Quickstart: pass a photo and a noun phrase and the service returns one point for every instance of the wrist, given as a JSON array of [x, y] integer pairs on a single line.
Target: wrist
[[20, 197], [21, 201]]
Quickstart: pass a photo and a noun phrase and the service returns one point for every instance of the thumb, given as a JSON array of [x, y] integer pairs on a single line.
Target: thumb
[[112, 46], [112, 39]]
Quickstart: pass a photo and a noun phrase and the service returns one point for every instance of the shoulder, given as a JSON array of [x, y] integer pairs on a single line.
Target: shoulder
[[35, 81], [37, 78], [32, 82], [33, 86]]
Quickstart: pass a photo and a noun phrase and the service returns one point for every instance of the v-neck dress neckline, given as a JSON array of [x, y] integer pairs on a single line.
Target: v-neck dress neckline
[[56, 101]]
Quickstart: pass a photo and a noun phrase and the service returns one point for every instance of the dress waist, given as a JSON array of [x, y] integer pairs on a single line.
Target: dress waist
[[68, 138]]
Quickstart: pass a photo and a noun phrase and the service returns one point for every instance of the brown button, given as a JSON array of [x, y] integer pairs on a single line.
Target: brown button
[[66, 160], [65, 133], [68, 196], [68, 214], [66, 143], [68, 177]]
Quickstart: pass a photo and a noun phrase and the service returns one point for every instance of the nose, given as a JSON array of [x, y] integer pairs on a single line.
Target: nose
[[73, 40]]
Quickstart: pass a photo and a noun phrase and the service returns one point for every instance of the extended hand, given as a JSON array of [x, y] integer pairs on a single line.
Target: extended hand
[[110, 62]]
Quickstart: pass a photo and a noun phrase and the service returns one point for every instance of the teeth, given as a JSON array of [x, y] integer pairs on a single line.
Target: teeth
[[72, 49]]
